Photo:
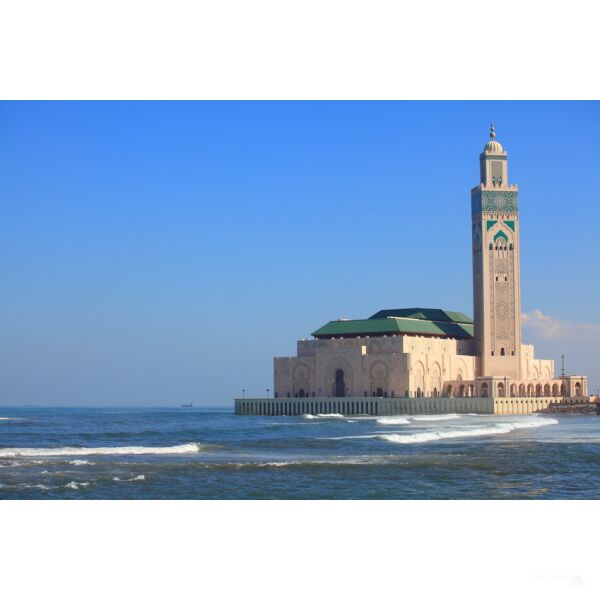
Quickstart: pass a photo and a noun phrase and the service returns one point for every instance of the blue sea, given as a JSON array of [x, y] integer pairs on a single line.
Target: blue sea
[[170, 453]]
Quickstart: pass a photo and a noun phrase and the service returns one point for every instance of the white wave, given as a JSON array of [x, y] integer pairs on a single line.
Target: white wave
[[536, 422], [447, 417], [441, 434], [498, 429], [10, 419], [71, 451], [324, 416], [39, 486], [76, 485], [354, 437], [393, 421], [78, 462], [137, 478]]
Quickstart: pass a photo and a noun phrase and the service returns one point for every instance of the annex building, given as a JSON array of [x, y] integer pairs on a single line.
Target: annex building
[[429, 359]]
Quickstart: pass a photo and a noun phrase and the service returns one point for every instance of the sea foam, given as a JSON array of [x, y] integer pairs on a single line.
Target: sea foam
[[118, 450]]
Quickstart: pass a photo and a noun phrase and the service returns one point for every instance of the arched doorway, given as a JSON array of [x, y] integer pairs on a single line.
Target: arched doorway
[[578, 389], [378, 392], [484, 390], [301, 393], [340, 384]]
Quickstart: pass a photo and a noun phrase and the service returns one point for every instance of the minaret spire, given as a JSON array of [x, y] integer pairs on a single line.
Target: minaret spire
[[492, 130]]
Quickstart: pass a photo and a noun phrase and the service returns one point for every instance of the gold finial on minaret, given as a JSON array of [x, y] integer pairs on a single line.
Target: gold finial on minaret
[[492, 130]]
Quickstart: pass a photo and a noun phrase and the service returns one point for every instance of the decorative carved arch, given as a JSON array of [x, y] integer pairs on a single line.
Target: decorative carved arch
[[301, 379], [435, 374], [378, 378], [419, 375], [334, 364], [462, 369]]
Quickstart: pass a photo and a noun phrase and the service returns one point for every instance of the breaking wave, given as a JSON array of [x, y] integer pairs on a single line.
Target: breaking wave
[[118, 450], [441, 434], [436, 417], [137, 478], [78, 463], [393, 421], [324, 416], [39, 486], [77, 485], [430, 436]]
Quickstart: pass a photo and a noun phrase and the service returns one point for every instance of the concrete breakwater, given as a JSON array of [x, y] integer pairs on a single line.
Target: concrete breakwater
[[579, 408], [361, 406]]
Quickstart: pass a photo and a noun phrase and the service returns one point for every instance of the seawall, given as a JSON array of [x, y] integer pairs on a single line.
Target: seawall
[[361, 406]]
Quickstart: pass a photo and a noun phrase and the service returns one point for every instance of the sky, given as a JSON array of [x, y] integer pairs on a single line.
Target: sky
[[153, 253]]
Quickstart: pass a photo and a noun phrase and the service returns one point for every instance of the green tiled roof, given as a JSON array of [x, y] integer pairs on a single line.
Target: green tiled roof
[[426, 314], [415, 321]]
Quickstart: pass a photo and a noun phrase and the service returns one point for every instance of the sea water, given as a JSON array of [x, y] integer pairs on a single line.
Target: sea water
[[144, 453]]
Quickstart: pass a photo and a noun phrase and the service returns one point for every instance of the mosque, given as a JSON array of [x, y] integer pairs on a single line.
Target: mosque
[[428, 359]]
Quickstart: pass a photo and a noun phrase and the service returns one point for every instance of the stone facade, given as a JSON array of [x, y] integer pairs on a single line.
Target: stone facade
[[386, 366]]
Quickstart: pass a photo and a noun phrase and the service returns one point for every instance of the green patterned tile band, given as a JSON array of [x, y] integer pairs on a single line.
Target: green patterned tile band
[[491, 201]]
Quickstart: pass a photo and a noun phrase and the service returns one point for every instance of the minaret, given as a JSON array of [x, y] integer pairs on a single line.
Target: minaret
[[496, 270]]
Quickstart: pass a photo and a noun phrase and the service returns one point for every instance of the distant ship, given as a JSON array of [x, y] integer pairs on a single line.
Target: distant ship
[[186, 405]]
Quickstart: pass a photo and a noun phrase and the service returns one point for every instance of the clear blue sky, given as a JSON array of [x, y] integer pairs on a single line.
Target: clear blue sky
[[154, 253]]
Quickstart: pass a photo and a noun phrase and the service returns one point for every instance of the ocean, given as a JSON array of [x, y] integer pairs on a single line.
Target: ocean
[[187, 453]]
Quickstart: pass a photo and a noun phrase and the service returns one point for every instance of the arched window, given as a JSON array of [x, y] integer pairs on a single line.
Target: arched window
[[502, 352]]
